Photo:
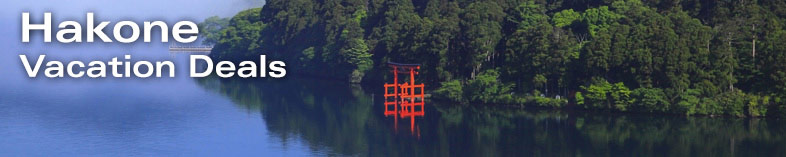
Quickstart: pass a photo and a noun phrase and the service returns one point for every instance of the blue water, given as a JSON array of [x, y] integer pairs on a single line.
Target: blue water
[[299, 116], [120, 116], [113, 116]]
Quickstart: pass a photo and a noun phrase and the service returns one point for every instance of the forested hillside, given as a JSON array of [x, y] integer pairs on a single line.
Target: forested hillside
[[688, 57]]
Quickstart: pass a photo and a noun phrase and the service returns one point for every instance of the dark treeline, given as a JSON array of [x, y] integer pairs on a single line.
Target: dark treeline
[[665, 56]]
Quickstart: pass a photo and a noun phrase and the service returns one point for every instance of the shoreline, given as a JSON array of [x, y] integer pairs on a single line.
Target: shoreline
[[568, 107]]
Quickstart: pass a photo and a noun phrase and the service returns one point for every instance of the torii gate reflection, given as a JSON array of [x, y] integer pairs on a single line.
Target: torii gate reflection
[[404, 99]]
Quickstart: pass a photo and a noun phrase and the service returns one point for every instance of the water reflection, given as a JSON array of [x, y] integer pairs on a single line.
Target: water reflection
[[341, 119], [404, 99]]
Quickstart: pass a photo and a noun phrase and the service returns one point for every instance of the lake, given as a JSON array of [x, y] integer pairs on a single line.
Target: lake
[[299, 116]]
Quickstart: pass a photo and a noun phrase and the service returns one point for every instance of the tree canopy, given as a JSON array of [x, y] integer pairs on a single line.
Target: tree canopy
[[683, 57]]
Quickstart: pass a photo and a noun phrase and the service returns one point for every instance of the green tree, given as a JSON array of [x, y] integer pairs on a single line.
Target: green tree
[[650, 100], [565, 18], [240, 40], [210, 29], [481, 24]]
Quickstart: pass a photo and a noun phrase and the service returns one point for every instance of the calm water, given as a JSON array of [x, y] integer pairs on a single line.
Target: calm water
[[297, 117], [184, 116]]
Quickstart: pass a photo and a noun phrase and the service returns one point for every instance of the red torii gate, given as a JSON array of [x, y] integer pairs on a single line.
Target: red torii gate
[[405, 99]]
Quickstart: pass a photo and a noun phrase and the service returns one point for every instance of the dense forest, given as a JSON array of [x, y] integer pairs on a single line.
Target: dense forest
[[690, 57]]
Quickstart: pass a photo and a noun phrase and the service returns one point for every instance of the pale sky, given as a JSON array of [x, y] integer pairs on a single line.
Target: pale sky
[[136, 10], [170, 11]]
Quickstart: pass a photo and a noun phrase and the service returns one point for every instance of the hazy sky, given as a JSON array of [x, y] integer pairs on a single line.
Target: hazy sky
[[105, 10], [141, 10]]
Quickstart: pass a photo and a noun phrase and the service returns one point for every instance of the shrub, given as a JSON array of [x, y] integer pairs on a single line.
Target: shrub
[[757, 105], [687, 102], [596, 95], [620, 96], [487, 88], [579, 99], [451, 90], [650, 100], [549, 102], [603, 95], [709, 106]]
